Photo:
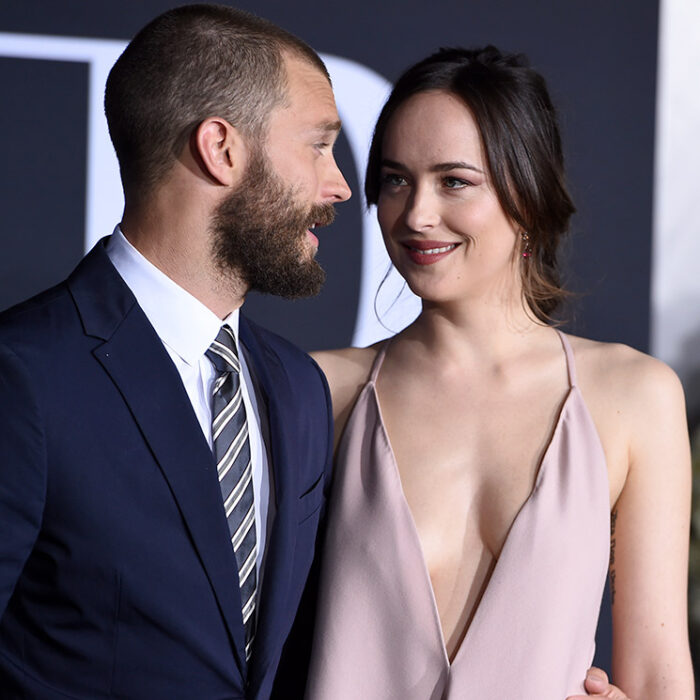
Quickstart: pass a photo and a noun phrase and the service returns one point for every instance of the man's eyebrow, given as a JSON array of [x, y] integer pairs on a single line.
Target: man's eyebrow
[[333, 127]]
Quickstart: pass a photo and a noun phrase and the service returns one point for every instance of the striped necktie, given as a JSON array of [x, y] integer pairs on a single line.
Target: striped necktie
[[233, 463]]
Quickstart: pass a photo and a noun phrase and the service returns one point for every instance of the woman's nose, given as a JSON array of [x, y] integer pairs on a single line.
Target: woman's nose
[[421, 211]]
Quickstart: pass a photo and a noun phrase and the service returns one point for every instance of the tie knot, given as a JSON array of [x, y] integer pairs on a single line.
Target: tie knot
[[222, 352]]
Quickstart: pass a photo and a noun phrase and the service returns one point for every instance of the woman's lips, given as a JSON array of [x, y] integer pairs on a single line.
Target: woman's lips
[[428, 252]]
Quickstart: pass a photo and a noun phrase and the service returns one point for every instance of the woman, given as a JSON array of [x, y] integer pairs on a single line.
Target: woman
[[491, 466]]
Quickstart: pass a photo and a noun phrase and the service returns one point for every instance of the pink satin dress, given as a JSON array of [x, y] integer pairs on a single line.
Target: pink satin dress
[[378, 634]]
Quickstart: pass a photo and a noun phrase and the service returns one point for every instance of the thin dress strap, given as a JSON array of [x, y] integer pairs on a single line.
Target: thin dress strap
[[378, 361], [570, 364]]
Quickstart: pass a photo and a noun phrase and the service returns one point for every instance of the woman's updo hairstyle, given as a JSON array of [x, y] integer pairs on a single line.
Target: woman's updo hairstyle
[[518, 126]]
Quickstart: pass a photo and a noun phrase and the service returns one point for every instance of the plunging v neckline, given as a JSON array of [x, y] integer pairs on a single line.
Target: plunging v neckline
[[540, 474]]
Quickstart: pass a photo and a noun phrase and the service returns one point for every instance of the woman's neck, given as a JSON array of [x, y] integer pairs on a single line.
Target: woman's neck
[[477, 331]]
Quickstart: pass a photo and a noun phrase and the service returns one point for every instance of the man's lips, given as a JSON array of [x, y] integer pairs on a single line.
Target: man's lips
[[311, 235], [322, 215], [424, 252]]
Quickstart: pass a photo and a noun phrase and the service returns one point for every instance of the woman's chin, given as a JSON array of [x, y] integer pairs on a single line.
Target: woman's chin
[[435, 292]]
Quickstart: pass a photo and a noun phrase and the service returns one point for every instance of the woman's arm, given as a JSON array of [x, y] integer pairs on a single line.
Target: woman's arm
[[649, 540]]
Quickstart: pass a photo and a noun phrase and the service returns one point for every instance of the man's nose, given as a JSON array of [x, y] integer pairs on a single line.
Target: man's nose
[[335, 186]]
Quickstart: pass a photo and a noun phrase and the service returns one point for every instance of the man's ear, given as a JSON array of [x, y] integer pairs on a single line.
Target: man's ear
[[220, 150]]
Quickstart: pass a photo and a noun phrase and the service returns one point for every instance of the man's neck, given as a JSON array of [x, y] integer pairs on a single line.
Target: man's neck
[[180, 247]]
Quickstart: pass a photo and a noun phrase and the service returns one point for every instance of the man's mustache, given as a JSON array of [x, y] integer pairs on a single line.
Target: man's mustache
[[322, 214]]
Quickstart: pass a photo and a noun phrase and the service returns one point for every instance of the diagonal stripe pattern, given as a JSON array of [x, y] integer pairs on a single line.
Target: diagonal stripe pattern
[[233, 464]]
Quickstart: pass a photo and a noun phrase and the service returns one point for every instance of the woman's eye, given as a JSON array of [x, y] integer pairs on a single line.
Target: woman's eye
[[393, 180], [455, 183]]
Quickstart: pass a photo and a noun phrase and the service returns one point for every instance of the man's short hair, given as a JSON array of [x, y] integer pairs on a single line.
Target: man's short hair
[[188, 64]]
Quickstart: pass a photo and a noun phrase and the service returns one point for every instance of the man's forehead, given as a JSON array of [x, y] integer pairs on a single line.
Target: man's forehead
[[295, 62], [310, 97], [304, 76]]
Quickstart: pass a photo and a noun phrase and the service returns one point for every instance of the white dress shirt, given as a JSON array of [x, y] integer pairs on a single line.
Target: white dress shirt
[[187, 328]]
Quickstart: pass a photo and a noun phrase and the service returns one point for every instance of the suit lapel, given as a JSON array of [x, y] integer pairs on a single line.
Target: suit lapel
[[142, 370], [281, 541]]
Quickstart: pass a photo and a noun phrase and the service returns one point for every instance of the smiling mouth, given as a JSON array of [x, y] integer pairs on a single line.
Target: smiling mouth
[[423, 252], [433, 251]]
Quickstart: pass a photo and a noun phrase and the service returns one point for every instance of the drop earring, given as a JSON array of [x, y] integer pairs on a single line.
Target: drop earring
[[527, 248]]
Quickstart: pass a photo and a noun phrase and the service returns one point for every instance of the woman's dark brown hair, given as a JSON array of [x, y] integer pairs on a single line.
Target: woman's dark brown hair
[[520, 136]]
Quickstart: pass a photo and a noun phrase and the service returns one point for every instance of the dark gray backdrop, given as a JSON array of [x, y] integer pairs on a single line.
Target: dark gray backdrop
[[600, 62]]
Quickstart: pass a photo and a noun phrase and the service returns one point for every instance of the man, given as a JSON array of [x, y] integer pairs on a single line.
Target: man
[[165, 460]]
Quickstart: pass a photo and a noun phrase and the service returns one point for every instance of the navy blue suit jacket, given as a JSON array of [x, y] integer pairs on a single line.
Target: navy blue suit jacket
[[117, 577]]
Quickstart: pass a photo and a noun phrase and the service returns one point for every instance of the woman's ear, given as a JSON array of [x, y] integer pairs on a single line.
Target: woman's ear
[[221, 151]]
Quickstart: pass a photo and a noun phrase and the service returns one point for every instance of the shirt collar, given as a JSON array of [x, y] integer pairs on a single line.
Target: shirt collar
[[181, 321]]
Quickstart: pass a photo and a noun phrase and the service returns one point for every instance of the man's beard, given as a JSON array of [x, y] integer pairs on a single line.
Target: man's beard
[[260, 235]]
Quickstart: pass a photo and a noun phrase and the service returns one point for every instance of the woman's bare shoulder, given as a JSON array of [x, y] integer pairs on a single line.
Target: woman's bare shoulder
[[619, 369], [627, 378], [346, 369], [638, 406], [346, 364]]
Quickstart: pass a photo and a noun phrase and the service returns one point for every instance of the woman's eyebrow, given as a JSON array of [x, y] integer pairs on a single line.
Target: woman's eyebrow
[[437, 168], [455, 165]]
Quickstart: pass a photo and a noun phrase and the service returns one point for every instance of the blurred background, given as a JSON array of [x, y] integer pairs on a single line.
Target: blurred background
[[624, 78]]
